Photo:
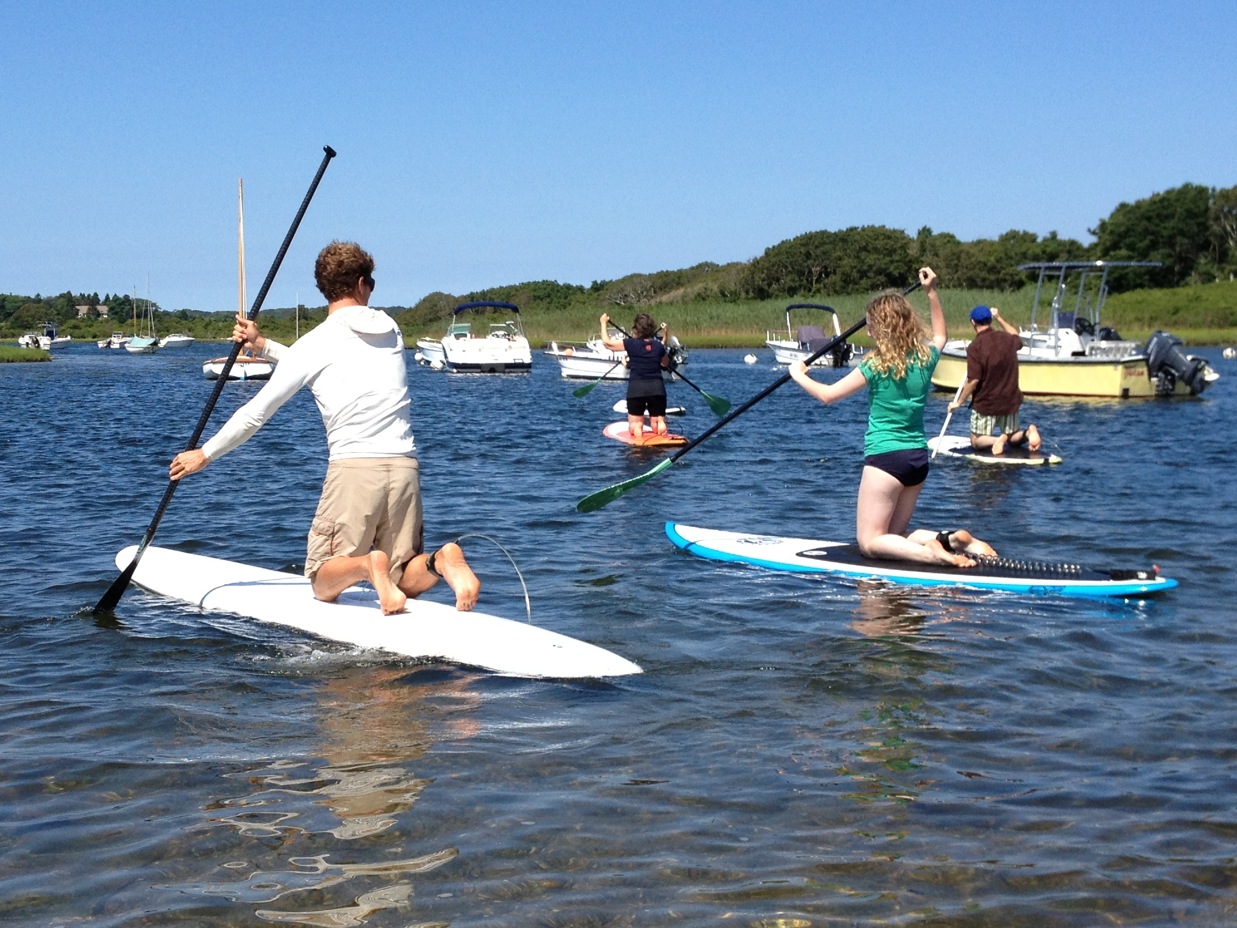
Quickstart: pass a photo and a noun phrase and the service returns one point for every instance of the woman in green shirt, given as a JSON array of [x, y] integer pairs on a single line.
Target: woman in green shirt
[[898, 376]]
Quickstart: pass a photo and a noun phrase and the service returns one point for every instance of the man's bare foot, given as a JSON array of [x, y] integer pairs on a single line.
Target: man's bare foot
[[944, 557], [390, 597], [450, 563], [998, 446], [962, 540], [1033, 439]]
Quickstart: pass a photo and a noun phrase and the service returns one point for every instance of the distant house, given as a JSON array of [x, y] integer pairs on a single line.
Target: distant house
[[83, 312]]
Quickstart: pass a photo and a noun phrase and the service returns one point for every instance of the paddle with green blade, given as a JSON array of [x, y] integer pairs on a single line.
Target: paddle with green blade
[[719, 405], [108, 603], [595, 501], [588, 387]]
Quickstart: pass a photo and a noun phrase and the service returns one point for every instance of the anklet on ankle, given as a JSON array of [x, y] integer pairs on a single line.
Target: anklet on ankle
[[430, 565]]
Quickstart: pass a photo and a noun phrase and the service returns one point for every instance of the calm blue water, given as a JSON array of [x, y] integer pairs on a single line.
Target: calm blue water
[[798, 752]]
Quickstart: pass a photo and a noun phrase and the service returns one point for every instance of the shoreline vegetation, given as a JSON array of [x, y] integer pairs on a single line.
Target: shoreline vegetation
[[1200, 315]]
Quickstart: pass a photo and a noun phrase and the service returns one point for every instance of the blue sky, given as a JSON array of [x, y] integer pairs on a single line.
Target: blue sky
[[489, 143]]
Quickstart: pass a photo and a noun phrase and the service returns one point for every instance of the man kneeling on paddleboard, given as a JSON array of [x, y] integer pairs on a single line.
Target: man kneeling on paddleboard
[[368, 523], [897, 374]]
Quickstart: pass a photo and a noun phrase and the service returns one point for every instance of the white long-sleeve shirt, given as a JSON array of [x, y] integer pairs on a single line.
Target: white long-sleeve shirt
[[354, 364]]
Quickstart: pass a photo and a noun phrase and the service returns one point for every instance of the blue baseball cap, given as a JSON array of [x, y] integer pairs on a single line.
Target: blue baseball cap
[[981, 315]]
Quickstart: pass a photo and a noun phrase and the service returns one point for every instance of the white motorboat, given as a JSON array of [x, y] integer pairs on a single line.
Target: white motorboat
[[594, 361], [243, 368], [176, 340], [501, 349], [801, 343], [117, 340], [48, 339], [1075, 355], [590, 361]]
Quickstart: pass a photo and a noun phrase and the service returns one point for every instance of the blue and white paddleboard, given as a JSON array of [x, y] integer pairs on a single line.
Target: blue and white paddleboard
[[807, 555], [426, 631]]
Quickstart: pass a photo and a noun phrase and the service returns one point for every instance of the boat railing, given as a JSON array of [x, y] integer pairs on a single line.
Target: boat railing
[[1112, 349]]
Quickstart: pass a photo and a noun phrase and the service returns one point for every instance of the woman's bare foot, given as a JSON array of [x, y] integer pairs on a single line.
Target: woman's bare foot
[[450, 564], [390, 597], [962, 540], [1033, 440], [998, 446], [945, 557]]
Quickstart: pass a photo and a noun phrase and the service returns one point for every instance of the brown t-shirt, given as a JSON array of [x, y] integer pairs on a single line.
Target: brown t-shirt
[[992, 359]]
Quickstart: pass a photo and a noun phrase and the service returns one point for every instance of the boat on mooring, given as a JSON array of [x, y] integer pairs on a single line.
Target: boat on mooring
[[245, 367], [48, 339], [594, 361], [804, 341], [501, 349], [1076, 355]]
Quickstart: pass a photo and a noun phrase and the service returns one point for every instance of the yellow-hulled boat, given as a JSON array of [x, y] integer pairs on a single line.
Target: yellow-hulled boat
[[1076, 356]]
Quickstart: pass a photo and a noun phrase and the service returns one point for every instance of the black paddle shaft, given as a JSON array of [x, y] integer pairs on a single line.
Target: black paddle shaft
[[117, 589], [829, 346]]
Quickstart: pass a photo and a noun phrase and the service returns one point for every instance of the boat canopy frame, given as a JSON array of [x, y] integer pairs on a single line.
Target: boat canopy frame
[[791, 334], [482, 305], [1087, 305]]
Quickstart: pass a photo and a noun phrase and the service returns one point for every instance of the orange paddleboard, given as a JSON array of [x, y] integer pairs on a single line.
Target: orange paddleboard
[[619, 432]]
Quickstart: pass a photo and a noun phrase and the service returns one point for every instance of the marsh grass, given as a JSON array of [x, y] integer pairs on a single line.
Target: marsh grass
[[1203, 315], [10, 353]]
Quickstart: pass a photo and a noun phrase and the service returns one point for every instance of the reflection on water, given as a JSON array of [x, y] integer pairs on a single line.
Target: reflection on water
[[798, 752], [373, 725]]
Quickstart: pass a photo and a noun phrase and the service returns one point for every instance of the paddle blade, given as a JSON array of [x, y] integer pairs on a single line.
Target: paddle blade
[[586, 389], [595, 501], [112, 597], [720, 405]]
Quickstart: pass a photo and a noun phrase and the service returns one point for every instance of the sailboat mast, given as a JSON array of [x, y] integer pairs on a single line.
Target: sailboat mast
[[240, 245]]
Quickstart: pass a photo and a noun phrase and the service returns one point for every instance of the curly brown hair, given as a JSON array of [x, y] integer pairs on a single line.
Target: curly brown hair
[[338, 268], [899, 332]]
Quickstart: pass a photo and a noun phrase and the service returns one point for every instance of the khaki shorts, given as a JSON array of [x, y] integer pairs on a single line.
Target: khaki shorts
[[984, 425], [366, 504]]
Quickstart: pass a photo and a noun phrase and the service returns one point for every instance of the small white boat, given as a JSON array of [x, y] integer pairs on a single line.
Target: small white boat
[[244, 368], [801, 343], [594, 361], [1075, 355], [117, 340], [502, 349], [590, 361], [34, 340], [48, 339], [176, 340]]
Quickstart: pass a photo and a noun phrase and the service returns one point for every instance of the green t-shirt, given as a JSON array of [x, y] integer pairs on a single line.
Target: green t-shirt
[[895, 407]]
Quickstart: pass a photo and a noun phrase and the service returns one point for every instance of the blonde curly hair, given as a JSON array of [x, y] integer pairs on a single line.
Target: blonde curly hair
[[900, 334]]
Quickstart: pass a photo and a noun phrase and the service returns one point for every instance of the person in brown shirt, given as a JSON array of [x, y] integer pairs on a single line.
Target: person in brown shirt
[[992, 386]]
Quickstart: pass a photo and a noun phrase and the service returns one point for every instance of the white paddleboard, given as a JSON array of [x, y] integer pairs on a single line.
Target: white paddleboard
[[621, 406], [427, 630], [959, 446]]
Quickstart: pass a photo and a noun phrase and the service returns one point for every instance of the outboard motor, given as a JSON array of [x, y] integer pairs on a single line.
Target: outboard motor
[[1167, 363]]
